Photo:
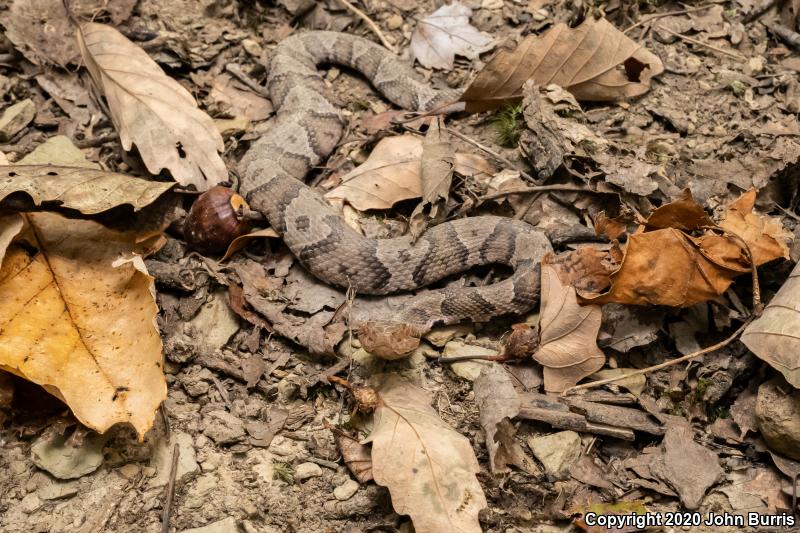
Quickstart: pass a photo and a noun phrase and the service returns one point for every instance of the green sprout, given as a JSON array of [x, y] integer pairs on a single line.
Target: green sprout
[[508, 125]]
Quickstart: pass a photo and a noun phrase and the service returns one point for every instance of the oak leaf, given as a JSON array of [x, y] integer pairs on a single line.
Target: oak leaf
[[764, 235], [151, 110], [77, 316], [393, 173], [594, 61], [568, 340], [428, 467], [775, 335], [445, 33]]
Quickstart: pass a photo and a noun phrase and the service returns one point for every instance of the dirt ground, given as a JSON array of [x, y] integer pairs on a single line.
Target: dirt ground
[[717, 122]]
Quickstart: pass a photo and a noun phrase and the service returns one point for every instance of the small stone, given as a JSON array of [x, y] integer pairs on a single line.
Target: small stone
[[720, 131], [58, 149], [227, 525], [223, 427], [441, 336], [52, 453], [778, 417], [754, 66], [287, 389], [30, 503], [394, 22], [57, 491], [162, 459], [492, 4], [557, 451], [252, 47], [15, 118], [232, 126], [306, 471], [129, 471], [469, 370], [346, 490]]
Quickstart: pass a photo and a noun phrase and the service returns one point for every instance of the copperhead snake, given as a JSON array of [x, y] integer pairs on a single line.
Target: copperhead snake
[[307, 128]]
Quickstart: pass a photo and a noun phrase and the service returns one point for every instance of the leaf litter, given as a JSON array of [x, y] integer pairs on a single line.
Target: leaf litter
[[707, 122]]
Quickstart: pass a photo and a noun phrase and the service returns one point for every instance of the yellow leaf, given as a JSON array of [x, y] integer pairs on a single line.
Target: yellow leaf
[[77, 316]]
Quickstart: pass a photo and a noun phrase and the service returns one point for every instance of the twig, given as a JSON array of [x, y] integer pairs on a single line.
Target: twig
[[537, 188], [732, 55], [649, 18], [173, 473], [237, 72], [481, 357], [791, 37], [374, 27], [759, 12], [492, 153], [665, 364], [97, 141]]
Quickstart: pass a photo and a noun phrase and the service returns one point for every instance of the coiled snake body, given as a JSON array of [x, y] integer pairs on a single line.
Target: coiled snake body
[[307, 127]]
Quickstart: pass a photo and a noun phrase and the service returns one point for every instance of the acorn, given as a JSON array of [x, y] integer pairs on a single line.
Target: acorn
[[216, 218]]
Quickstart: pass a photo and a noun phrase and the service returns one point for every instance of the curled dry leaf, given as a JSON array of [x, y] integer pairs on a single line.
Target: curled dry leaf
[[775, 335], [78, 313], [670, 266], [436, 175], [568, 350], [428, 467], [393, 173], [764, 235], [499, 402], [445, 33], [594, 61], [10, 226], [356, 456], [151, 110], [86, 190]]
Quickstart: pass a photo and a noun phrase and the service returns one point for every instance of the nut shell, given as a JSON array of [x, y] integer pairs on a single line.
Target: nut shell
[[216, 218]]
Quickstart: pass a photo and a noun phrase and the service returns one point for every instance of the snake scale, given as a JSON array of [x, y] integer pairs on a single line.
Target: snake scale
[[307, 127]]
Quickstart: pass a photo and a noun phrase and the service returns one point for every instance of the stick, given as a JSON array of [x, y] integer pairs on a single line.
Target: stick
[[732, 55], [374, 27], [670, 14], [173, 473], [791, 37], [666, 364], [537, 188]]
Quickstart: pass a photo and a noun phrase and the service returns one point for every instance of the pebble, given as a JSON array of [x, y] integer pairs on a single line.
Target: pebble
[[346, 490], [30, 503], [556, 451], [15, 118], [161, 461], [394, 22], [226, 525], [306, 471], [129, 471], [469, 370], [57, 491], [50, 452], [778, 417], [223, 427]]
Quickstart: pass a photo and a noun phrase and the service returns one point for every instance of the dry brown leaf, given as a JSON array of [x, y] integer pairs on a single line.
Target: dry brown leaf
[[356, 456], [393, 173], [86, 190], [668, 266], [594, 61], [436, 175], [764, 235], [151, 110], [428, 467], [775, 335], [686, 466], [568, 349], [498, 403], [77, 317]]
